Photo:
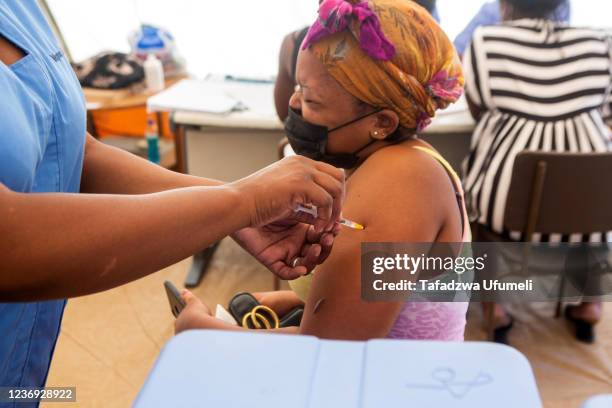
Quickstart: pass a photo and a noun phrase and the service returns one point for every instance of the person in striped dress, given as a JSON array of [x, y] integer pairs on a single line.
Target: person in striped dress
[[489, 14], [533, 84]]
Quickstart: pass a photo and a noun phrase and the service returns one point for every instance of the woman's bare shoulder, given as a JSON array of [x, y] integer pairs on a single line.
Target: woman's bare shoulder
[[401, 160], [401, 190]]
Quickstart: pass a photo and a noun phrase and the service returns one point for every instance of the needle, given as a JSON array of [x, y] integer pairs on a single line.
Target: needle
[[351, 224], [343, 221]]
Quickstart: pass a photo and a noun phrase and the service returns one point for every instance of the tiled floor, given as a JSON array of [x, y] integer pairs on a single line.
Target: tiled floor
[[109, 341]]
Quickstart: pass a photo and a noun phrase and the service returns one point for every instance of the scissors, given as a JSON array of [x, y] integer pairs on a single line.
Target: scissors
[[261, 317]]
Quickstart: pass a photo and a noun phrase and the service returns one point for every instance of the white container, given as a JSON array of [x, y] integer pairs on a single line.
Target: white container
[[154, 74]]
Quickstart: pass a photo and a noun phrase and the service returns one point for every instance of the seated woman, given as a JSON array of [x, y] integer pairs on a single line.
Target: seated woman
[[533, 84], [370, 75]]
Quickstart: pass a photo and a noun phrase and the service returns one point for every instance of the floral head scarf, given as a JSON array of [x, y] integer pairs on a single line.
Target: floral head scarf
[[390, 54]]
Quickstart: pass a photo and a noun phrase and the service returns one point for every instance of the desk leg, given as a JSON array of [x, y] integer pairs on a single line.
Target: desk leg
[[202, 259], [180, 149], [199, 266]]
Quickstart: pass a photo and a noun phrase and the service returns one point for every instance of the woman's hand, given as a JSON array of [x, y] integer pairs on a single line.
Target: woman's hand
[[273, 193], [195, 315]]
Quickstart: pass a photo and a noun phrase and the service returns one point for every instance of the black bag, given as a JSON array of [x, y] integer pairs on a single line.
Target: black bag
[[111, 70]]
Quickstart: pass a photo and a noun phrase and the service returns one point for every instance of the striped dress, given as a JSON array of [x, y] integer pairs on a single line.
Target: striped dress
[[607, 110], [541, 86]]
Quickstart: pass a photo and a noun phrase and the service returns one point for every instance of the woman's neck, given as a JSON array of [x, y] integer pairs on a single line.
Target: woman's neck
[[379, 146]]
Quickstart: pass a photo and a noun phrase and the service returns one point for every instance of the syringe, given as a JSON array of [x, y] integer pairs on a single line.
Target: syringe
[[343, 221]]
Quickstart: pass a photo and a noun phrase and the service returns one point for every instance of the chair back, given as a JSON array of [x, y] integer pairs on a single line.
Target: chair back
[[560, 193]]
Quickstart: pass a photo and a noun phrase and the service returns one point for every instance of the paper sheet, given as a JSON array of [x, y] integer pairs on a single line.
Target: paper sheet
[[194, 96], [222, 314], [215, 96]]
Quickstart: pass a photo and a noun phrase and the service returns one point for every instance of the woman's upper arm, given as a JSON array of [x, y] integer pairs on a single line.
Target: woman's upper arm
[[401, 211]]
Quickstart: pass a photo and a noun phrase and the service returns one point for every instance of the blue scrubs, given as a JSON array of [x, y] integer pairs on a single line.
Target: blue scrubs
[[42, 138]]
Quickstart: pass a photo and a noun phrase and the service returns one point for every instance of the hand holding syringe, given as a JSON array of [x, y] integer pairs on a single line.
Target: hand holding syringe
[[313, 211]]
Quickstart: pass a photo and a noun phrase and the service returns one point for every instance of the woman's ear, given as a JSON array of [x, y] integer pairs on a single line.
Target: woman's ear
[[386, 123]]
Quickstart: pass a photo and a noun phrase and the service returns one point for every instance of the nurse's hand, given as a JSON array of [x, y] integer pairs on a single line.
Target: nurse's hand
[[271, 194], [289, 249], [279, 237]]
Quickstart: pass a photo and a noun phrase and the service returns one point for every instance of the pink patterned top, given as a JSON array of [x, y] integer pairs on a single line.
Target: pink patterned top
[[421, 320]]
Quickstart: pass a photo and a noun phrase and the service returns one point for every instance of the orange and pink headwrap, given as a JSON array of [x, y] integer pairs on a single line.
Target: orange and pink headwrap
[[389, 54]]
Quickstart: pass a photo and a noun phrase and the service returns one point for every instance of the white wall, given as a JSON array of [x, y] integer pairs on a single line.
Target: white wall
[[234, 36], [237, 36]]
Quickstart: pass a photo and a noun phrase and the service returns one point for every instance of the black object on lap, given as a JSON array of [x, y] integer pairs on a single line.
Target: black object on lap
[[244, 303]]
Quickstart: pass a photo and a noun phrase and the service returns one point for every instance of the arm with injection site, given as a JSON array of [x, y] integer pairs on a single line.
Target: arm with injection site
[[411, 208]]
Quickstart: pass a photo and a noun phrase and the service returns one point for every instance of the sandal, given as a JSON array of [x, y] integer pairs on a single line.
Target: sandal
[[584, 330], [500, 334]]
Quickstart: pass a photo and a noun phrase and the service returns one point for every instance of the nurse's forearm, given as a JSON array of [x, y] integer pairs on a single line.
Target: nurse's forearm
[[64, 245], [109, 170]]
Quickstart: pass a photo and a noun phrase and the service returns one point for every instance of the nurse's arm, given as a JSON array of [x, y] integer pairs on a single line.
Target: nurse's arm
[[109, 170], [65, 245], [55, 245]]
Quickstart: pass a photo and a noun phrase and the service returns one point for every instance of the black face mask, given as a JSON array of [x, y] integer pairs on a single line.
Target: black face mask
[[310, 140]]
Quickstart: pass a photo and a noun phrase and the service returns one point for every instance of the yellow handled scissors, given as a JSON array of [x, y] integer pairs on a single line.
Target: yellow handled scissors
[[261, 317]]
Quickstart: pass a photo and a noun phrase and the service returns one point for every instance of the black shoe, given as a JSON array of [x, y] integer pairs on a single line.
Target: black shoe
[[584, 330], [500, 334]]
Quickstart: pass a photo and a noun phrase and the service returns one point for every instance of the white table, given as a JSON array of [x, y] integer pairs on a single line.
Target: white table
[[224, 129], [231, 146]]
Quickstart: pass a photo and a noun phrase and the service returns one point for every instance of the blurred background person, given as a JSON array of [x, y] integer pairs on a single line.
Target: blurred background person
[[533, 84], [431, 6], [489, 14], [285, 78]]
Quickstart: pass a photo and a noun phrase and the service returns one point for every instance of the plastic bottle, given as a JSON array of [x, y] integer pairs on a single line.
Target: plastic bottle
[[149, 39], [152, 136], [154, 73]]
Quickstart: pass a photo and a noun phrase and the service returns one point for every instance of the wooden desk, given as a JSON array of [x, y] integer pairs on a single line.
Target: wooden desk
[[133, 96]]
